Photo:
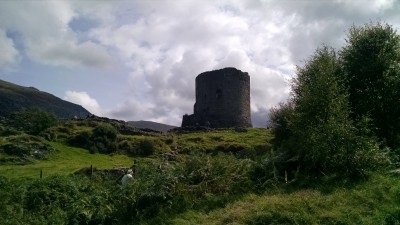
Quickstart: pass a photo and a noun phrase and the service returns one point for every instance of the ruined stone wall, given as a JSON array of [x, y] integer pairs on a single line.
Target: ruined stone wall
[[222, 100]]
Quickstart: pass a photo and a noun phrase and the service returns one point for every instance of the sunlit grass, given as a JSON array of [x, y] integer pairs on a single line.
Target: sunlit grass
[[64, 161]]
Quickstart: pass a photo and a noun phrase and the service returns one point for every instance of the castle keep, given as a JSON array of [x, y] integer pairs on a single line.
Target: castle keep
[[222, 100]]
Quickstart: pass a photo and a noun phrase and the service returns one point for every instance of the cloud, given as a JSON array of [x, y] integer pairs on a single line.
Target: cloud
[[9, 54], [157, 48], [84, 99], [70, 54], [47, 37], [133, 110], [166, 53]]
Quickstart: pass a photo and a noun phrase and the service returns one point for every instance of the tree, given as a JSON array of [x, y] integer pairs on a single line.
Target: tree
[[320, 135], [371, 71], [280, 119], [321, 124], [34, 120]]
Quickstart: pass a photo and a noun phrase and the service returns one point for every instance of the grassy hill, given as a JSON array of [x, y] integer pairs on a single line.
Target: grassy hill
[[15, 98], [65, 161], [205, 177]]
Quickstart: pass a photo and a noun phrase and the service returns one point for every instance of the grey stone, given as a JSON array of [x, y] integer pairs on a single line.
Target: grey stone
[[222, 100]]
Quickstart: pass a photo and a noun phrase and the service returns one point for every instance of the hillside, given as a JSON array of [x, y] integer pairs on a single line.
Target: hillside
[[151, 125], [217, 176], [14, 98]]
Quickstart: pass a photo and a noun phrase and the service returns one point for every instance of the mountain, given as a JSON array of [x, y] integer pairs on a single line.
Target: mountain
[[15, 98], [151, 125]]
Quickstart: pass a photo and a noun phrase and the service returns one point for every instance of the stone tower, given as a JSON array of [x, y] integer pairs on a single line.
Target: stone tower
[[222, 100]]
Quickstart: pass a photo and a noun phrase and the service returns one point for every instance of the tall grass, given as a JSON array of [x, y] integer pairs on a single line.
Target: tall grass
[[375, 201]]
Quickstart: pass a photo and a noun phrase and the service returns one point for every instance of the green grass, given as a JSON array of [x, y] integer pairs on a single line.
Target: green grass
[[195, 189], [255, 139], [375, 201], [65, 161]]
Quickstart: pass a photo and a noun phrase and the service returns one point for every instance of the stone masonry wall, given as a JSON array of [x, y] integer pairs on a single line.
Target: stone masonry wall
[[222, 100]]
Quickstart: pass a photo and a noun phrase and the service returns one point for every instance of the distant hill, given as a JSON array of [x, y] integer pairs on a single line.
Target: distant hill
[[151, 125], [15, 98]]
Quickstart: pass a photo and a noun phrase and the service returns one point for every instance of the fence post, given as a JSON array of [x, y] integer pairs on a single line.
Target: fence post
[[41, 174]]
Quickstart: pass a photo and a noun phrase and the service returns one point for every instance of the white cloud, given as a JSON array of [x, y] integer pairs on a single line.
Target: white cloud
[[47, 37], [9, 54], [70, 54], [161, 46], [84, 99], [167, 52]]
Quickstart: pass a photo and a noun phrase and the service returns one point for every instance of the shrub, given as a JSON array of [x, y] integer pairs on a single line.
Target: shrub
[[149, 146], [103, 139], [27, 146], [8, 131], [81, 139], [34, 121]]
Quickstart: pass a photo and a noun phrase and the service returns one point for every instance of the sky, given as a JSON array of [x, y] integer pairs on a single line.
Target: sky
[[138, 59]]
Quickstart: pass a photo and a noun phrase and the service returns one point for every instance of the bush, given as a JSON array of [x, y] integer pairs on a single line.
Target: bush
[[148, 146], [34, 121], [81, 139], [26, 147], [103, 139]]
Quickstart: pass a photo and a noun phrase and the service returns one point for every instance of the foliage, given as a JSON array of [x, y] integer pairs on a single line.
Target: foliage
[[159, 189], [61, 200], [24, 148], [8, 131], [222, 174], [166, 196], [147, 147], [34, 120], [143, 146], [103, 139], [369, 202], [80, 139], [212, 185], [280, 118], [371, 70], [343, 112], [315, 130]]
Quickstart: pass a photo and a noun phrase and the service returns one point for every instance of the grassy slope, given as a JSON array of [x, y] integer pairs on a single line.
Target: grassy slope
[[375, 201], [254, 138], [65, 161]]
